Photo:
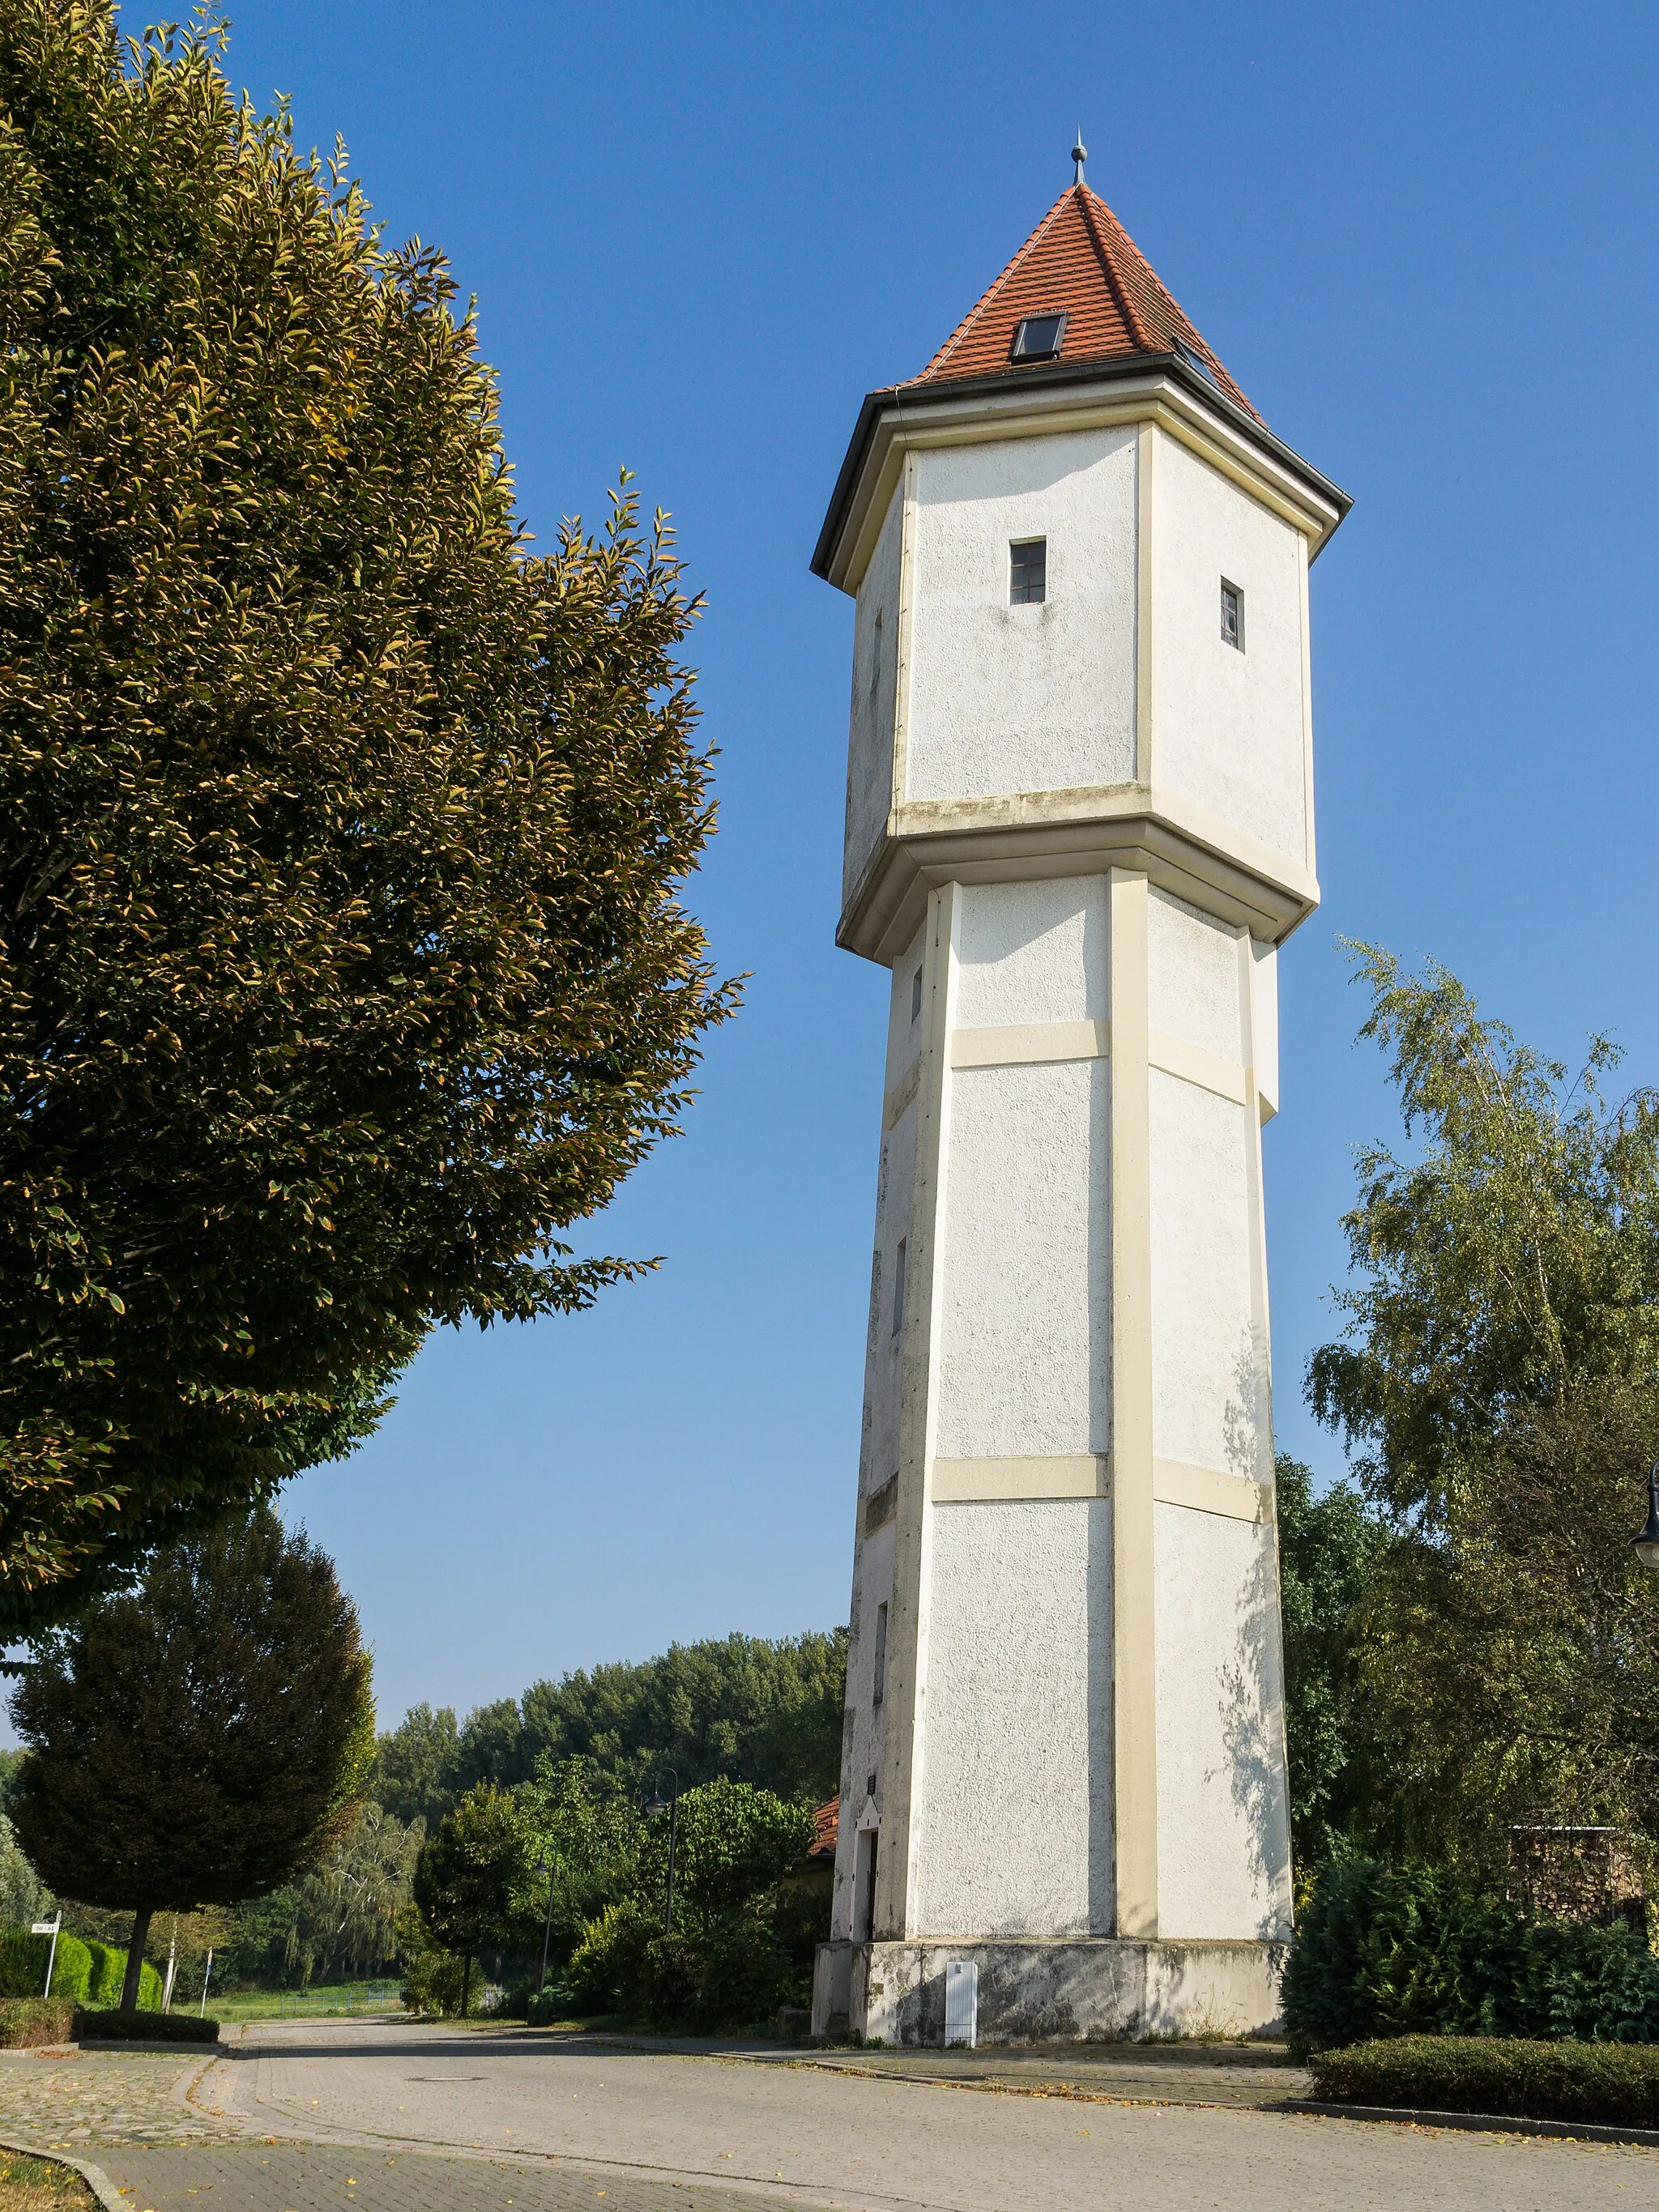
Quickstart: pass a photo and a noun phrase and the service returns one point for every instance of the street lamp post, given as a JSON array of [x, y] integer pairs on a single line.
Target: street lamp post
[[1647, 1544], [551, 1872], [653, 1807]]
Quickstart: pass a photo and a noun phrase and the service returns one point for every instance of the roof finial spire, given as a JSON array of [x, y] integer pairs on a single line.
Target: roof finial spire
[[1080, 155]]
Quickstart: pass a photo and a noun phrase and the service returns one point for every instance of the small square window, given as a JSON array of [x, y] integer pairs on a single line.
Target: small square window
[[1232, 615], [1037, 337], [915, 994], [1027, 572]]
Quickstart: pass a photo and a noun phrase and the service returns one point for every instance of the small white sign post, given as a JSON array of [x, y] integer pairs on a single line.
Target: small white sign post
[[49, 1928]]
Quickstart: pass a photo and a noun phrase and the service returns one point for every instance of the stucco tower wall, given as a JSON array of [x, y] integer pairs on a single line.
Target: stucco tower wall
[[1097, 813]]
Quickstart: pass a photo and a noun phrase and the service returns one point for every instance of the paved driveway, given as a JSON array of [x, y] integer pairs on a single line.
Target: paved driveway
[[398, 2116], [612, 2120]]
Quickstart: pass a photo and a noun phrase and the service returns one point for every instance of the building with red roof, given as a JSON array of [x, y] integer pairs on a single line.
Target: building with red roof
[[1079, 826]]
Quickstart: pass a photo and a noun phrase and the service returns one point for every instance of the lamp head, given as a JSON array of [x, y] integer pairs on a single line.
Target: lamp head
[[654, 1805], [1647, 1544]]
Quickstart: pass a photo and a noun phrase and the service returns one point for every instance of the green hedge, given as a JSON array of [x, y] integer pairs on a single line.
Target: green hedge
[[25, 2022], [1616, 2084], [1413, 1949], [109, 1970], [87, 1974], [23, 1966], [146, 2027]]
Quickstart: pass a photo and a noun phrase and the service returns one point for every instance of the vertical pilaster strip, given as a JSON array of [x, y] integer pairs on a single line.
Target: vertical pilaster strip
[[1134, 1771], [1309, 854], [1261, 1337], [1261, 1342], [903, 625], [1146, 469], [905, 1746]]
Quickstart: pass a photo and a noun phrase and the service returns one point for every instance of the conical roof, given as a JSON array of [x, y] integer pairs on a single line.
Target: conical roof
[[1081, 262]]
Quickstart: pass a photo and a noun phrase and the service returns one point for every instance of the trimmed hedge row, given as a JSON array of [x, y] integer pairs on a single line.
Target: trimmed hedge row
[[145, 2027], [1614, 2084], [26, 2022], [1411, 1949], [86, 1972]]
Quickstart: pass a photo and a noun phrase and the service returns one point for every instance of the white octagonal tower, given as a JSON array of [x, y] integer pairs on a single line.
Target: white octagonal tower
[[1079, 823]]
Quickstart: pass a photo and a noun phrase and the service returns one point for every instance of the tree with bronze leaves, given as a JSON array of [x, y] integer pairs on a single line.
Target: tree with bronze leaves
[[342, 960], [201, 1741]]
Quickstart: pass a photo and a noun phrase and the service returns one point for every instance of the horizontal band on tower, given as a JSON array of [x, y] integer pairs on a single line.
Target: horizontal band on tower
[[1023, 1044], [1205, 1490], [1210, 1071], [1088, 1474], [1020, 1044], [1074, 1474]]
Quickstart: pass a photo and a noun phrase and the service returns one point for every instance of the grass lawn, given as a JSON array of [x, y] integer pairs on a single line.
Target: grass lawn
[[38, 2184], [317, 2002]]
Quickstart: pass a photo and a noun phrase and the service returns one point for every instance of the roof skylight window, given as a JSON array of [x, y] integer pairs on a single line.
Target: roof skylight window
[[1194, 360], [1037, 338]]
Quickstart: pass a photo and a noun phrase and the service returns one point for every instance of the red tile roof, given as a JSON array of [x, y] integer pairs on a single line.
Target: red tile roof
[[826, 1826], [1079, 259]]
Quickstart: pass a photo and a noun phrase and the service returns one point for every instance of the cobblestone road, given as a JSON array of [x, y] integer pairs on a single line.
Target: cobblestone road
[[292, 2118], [53, 2102]]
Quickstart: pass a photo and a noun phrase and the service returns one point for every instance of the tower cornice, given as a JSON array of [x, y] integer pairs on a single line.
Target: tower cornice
[[1038, 401], [1024, 836]]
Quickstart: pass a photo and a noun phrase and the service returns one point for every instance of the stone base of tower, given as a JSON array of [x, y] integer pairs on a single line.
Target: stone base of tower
[[1098, 1988]]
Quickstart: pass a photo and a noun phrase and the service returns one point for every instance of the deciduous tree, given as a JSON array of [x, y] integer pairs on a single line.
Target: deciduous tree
[[470, 1878], [415, 1766], [1330, 1548], [342, 960], [1496, 1378], [1515, 1257]]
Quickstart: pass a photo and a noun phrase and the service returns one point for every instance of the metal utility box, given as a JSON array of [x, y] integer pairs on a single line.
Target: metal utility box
[[961, 2002]]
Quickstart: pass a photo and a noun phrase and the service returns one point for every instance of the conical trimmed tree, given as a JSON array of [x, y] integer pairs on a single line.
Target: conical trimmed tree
[[198, 1741]]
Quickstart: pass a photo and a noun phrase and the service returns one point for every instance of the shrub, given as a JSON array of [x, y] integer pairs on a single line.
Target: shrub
[[145, 2027], [743, 1972], [23, 1966], [1415, 1949], [106, 1968], [555, 2002], [670, 1981], [801, 1921], [432, 1981], [606, 1969], [745, 1925], [432, 1975], [25, 2022], [1613, 2083], [109, 1966]]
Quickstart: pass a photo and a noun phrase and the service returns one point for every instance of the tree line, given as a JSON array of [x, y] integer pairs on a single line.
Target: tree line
[[755, 1719], [767, 1713]]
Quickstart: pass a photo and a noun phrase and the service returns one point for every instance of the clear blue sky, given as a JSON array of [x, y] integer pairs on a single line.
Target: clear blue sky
[[1422, 237]]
